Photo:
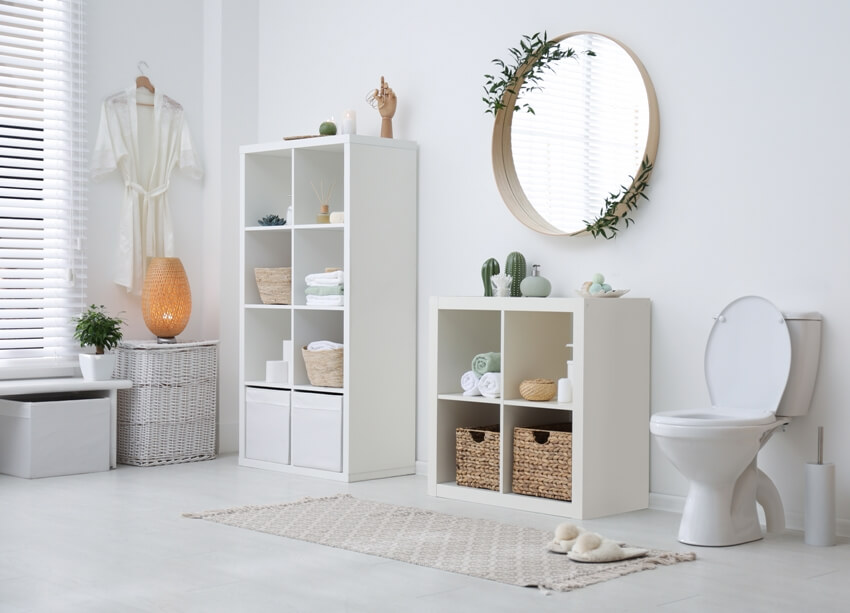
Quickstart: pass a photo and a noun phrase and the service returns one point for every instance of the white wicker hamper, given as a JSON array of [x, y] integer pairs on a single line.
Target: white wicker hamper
[[168, 416]]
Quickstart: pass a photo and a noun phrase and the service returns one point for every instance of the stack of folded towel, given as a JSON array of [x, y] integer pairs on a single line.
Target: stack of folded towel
[[485, 378], [325, 289]]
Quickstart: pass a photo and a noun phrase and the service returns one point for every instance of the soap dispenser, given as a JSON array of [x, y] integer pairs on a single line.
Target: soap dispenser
[[535, 285]]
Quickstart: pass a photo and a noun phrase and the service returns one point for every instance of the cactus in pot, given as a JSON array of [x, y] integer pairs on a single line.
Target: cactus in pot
[[490, 268], [515, 267]]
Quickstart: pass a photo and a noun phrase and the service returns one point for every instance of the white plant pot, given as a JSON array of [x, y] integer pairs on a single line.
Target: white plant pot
[[97, 367]]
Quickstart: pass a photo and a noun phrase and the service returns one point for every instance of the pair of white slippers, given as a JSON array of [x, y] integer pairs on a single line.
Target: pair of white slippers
[[583, 546]]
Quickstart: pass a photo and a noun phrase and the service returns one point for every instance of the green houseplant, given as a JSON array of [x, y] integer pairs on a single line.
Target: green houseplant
[[95, 328]]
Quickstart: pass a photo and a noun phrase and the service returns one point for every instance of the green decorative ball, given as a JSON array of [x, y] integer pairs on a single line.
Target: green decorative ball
[[596, 288], [598, 278], [328, 128]]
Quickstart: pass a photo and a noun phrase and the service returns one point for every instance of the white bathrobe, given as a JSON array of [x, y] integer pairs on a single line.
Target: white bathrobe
[[145, 144]]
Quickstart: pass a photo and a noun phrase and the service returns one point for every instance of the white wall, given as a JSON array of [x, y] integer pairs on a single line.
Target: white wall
[[203, 54], [746, 197], [169, 37]]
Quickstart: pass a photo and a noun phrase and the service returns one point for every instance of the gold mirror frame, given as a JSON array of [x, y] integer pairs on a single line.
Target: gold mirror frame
[[504, 169]]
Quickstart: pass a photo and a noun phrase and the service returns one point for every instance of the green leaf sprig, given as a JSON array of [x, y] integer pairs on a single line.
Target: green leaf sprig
[[531, 60], [618, 205]]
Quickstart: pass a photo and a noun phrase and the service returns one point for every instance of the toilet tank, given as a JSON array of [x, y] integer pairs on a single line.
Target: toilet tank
[[805, 332]]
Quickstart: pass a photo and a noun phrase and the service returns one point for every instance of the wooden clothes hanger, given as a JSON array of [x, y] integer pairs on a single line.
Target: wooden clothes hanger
[[143, 81]]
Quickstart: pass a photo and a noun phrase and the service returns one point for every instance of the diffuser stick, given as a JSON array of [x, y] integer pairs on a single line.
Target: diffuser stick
[[820, 444]]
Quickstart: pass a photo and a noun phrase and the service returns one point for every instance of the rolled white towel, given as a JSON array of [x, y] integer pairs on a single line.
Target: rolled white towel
[[324, 278], [323, 346], [469, 383], [490, 384]]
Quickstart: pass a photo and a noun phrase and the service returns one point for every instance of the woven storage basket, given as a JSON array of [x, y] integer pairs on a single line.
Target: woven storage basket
[[477, 457], [275, 285], [543, 461], [168, 416], [537, 389], [324, 368]]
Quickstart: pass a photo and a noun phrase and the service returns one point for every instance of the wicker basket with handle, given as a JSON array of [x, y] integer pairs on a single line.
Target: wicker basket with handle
[[543, 458], [477, 457]]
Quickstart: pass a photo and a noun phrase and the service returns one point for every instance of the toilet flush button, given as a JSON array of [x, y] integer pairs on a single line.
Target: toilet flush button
[[720, 318]]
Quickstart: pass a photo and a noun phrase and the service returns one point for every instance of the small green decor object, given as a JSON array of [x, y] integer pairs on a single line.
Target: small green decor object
[[490, 268], [515, 267], [97, 329], [327, 128], [535, 55], [271, 220], [618, 206]]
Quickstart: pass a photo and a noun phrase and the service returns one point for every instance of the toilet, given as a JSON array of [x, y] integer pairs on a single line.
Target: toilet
[[760, 367]]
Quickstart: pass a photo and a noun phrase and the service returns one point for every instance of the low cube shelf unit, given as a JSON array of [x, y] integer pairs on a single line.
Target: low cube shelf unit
[[608, 342]]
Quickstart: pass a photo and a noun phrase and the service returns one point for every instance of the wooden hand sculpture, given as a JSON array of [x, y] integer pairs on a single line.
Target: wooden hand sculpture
[[386, 104]]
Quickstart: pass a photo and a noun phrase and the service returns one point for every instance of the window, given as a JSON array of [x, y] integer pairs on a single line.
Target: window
[[42, 181]]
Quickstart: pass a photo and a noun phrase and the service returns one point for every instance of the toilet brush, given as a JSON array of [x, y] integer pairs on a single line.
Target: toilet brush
[[819, 519]]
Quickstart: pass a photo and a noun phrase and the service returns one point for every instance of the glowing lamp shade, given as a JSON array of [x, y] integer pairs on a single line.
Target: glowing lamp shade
[[166, 298]]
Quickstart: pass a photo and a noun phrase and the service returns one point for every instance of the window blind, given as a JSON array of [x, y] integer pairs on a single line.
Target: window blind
[[42, 179]]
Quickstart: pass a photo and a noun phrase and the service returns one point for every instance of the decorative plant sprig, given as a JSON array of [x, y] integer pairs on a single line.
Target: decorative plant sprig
[[271, 220], [535, 56], [618, 206], [96, 328]]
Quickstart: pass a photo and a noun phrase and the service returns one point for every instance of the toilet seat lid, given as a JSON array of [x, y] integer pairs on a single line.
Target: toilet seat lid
[[748, 356]]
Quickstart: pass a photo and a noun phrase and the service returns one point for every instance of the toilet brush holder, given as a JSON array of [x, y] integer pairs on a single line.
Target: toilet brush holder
[[819, 518]]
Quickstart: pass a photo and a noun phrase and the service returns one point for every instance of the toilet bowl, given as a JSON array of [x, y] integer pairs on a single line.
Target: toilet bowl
[[760, 368]]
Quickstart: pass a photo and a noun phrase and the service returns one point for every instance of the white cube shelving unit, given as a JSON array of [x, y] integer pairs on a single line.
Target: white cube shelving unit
[[608, 341], [375, 186]]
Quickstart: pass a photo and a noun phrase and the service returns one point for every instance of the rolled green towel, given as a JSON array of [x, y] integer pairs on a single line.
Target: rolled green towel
[[325, 290], [487, 362]]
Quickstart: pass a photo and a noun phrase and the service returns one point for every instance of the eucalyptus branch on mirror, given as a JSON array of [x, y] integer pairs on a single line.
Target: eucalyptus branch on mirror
[[618, 206], [535, 56]]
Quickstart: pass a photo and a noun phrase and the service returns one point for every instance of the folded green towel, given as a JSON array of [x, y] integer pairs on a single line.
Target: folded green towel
[[487, 362], [324, 290]]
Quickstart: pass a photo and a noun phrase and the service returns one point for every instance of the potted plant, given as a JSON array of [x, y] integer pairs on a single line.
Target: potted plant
[[94, 328]]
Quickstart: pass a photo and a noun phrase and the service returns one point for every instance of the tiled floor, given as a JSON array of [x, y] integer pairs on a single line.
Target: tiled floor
[[116, 542]]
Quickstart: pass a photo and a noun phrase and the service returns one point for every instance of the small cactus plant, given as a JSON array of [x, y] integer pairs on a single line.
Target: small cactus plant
[[515, 267], [490, 268]]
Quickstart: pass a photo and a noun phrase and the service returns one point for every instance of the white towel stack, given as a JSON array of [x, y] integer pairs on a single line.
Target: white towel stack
[[332, 281]]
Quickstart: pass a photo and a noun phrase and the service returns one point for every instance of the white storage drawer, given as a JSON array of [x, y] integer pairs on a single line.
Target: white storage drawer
[[267, 425], [42, 436], [317, 431]]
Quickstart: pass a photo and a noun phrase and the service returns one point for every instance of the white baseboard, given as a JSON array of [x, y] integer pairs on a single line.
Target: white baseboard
[[421, 467]]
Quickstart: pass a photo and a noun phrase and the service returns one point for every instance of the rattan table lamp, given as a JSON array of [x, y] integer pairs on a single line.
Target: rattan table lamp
[[166, 299]]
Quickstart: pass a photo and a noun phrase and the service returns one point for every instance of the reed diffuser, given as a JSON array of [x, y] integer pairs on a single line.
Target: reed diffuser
[[324, 202]]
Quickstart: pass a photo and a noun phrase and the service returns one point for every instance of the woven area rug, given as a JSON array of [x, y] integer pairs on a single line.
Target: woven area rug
[[477, 547]]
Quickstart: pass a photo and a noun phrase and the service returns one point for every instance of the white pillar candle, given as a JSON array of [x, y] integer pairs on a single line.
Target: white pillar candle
[[349, 123]]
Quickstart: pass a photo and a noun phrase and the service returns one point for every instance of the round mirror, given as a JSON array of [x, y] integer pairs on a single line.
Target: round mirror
[[593, 131]]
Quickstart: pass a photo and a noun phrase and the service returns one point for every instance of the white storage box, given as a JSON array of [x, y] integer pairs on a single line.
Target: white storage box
[[267, 425], [44, 436], [317, 431]]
